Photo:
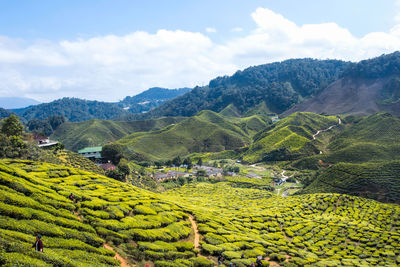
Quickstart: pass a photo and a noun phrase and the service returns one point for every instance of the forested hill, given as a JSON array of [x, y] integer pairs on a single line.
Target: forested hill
[[4, 113], [74, 109], [280, 85], [365, 88]]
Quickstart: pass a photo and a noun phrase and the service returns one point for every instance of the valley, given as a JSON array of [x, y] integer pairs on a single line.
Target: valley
[[264, 163]]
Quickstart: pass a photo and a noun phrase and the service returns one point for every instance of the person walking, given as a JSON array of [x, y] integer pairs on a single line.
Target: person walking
[[38, 245]]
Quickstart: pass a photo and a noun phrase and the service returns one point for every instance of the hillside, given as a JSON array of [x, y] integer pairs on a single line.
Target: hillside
[[145, 227], [150, 99], [378, 181], [205, 132], [4, 113], [77, 110], [77, 135], [365, 88], [361, 157], [73, 109], [280, 85], [288, 137]]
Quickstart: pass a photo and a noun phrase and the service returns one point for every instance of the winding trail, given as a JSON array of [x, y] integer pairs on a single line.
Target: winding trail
[[196, 241], [118, 257], [327, 129]]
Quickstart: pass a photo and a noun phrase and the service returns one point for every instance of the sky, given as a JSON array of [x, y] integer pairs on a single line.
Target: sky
[[106, 50]]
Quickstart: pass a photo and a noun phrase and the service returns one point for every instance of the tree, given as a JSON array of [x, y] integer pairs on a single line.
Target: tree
[[200, 162], [12, 126], [56, 121], [188, 163], [123, 167], [112, 152], [177, 161]]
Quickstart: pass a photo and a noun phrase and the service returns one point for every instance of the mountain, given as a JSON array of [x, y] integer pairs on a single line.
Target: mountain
[[4, 113], [289, 138], [17, 102], [76, 110], [77, 135], [150, 99], [162, 229], [206, 132], [365, 88], [279, 85]]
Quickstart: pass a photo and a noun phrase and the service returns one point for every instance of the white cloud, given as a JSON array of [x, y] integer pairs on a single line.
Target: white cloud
[[111, 67], [211, 30], [237, 29]]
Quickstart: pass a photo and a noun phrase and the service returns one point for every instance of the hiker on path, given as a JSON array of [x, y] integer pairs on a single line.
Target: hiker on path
[[220, 260], [38, 245]]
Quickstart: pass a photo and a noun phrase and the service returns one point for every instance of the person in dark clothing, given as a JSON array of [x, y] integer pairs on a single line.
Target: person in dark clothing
[[72, 197], [259, 262], [38, 245], [220, 260]]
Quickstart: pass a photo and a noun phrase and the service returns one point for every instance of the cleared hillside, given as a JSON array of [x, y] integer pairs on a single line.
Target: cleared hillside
[[78, 135], [365, 88]]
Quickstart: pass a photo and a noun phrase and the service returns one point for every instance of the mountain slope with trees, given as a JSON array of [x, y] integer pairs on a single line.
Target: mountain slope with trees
[[365, 88], [280, 85]]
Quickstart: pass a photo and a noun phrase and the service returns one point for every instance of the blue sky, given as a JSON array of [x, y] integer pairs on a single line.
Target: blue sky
[[50, 49]]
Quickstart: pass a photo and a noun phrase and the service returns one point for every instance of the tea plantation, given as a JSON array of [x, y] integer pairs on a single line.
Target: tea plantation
[[316, 229], [149, 228], [34, 200]]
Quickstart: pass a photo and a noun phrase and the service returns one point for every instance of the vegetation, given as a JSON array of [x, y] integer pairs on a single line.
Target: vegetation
[[205, 132], [289, 138], [278, 85], [78, 135]]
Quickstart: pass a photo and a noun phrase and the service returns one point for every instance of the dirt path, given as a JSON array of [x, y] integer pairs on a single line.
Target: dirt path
[[118, 257], [196, 241], [327, 129]]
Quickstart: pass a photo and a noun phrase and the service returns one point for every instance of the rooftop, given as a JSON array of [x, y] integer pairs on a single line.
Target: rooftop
[[90, 149]]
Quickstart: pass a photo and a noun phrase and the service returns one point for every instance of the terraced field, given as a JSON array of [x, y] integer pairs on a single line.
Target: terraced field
[[137, 223], [148, 228], [317, 229]]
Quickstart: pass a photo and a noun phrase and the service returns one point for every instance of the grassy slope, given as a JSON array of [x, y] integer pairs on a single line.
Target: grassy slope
[[205, 132], [76, 136], [240, 223], [292, 132]]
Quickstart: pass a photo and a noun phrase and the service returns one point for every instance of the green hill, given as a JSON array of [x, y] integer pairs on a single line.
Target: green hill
[[205, 132], [291, 135], [378, 181], [78, 135], [145, 227]]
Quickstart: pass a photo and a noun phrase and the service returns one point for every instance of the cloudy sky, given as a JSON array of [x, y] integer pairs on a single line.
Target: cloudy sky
[[106, 50]]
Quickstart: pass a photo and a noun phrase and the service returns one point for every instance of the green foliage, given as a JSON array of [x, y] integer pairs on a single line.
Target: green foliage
[[279, 85], [12, 126]]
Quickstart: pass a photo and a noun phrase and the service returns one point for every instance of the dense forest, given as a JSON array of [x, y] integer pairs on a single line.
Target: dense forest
[[279, 85], [4, 113]]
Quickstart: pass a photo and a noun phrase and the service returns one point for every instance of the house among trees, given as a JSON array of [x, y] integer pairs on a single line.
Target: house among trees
[[93, 153], [43, 141]]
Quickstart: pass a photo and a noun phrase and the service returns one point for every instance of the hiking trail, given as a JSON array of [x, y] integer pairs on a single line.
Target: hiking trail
[[118, 257]]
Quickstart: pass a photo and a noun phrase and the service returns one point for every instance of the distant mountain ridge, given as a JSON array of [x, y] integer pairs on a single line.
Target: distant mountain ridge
[[17, 102], [76, 110]]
